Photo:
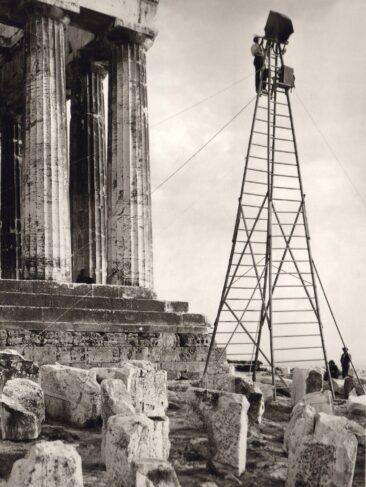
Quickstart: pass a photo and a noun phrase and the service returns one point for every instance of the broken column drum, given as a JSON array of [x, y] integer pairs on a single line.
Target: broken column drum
[[129, 197], [88, 170], [46, 249]]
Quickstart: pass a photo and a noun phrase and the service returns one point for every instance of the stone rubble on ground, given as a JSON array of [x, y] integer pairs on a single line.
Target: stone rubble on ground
[[22, 409], [48, 464], [305, 381], [72, 395], [226, 419], [153, 473]]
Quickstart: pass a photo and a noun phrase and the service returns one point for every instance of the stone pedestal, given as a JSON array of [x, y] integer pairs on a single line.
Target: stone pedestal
[[88, 171], [45, 211], [11, 157], [129, 247]]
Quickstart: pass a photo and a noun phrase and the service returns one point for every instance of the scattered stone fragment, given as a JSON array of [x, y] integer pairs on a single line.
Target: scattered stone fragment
[[350, 384], [146, 385], [327, 424], [305, 381], [48, 463], [71, 394], [357, 405], [254, 395], [114, 400], [160, 443], [14, 365], [283, 385], [220, 377], [331, 431], [322, 402], [225, 416], [338, 386], [302, 423], [315, 463], [128, 439], [153, 473], [22, 410]]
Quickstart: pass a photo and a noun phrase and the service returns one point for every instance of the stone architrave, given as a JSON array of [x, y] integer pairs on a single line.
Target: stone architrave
[[72, 395], [22, 410], [129, 246], [45, 210], [11, 160], [48, 463], [88, 170]]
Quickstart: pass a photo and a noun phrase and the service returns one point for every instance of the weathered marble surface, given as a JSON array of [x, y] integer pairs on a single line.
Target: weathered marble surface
[[46, 247], [48, 463], [127, 440], [22, 409], [72, 395], [129, 246], [302, 423], [88, 170], [225, 416], [154, 473], [305, 381]]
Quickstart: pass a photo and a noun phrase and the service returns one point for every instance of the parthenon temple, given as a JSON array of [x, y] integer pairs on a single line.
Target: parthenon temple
[[75, 184]]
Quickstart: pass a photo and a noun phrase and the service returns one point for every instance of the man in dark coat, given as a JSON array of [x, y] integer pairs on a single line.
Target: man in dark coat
[[345, 361]]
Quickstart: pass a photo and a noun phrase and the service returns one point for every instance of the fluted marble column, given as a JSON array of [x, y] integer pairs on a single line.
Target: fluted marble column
[[129, 193], [46, 246], [88, 171], [11, 158]]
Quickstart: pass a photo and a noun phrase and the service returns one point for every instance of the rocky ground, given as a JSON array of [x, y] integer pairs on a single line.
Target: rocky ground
[[266, 458]]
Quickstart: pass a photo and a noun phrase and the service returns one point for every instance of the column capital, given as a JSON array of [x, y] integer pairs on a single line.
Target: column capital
[[86, 63], [50, 11], [120, 35]]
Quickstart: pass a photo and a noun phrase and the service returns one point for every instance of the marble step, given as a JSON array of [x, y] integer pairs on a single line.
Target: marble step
[[101, 317], [73, 289], [34, 300]]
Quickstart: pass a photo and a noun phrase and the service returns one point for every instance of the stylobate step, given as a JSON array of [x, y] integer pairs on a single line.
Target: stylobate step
[[98, 316], [22, 299]]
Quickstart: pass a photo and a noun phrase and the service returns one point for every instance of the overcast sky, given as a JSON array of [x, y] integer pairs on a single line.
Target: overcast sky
[[204, 46]]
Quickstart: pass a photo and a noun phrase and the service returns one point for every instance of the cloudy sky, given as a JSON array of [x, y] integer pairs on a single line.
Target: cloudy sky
[[203, 47]]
